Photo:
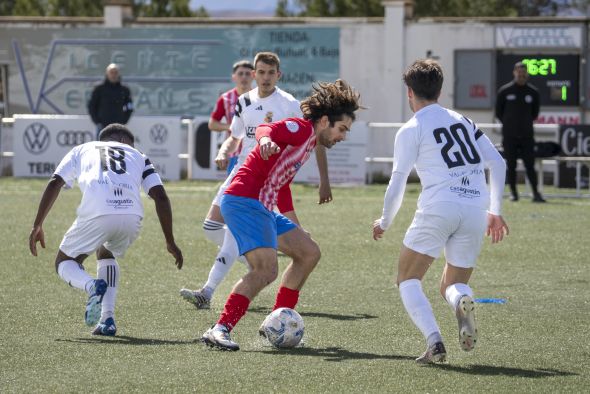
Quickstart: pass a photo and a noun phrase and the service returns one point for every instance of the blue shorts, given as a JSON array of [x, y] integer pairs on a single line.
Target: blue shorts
[[230, 165], [252, 225]]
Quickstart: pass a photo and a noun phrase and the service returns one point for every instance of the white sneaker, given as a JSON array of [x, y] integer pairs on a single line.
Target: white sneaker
[[196, 297], [466, 318], [218, 336]]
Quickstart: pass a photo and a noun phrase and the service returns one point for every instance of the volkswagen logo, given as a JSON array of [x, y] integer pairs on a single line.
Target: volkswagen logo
[[36, 138], [73, 137], [158, 133]]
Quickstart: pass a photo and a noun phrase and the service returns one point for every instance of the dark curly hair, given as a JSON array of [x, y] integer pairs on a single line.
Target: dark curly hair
[[425, 78], [331, 99]]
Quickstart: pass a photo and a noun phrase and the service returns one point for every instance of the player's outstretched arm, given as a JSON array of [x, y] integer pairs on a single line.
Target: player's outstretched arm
[[322, 160], [164, 211], [497, 166], [229, 146], [497, 228], [49, 196]]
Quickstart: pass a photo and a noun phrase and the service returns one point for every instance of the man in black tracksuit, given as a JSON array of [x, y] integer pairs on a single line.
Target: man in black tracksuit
[[517, 106], [110, 101]]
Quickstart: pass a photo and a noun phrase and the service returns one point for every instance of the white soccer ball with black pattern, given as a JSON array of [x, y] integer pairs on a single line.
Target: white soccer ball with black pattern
[[283, 328]]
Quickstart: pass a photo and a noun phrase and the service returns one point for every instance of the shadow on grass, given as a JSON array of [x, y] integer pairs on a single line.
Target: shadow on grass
[[336, 354], [492, 370], [127, 340], [332, 316]]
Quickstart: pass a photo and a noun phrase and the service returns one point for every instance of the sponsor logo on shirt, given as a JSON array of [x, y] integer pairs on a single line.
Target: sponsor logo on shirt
[[120, 203], [125, 186], [459, 174], [465, 192], [268, 117], [293, 127], [250, 131], [259, 108]]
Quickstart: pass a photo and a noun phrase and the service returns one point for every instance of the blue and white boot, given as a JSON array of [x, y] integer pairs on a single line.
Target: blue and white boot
[[106, 328], [93, 306]]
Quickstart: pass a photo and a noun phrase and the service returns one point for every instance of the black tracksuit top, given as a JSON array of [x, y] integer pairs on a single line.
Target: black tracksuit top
[[110, 103], [517, 106]]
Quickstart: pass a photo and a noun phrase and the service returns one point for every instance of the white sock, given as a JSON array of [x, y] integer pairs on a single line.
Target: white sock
[[419, 309], [454, 292], [214, 231], [74, 275], [108, 269], [223, 262]]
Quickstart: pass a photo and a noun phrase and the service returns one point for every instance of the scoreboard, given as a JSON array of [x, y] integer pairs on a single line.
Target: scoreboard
[[556, 76]]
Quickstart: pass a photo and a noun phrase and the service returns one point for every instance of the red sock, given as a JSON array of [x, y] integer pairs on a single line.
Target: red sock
[[286, 298], [235, 308]]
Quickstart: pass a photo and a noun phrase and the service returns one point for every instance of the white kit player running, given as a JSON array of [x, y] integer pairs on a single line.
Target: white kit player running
[[110, 174], [264, 104], [450, 154]]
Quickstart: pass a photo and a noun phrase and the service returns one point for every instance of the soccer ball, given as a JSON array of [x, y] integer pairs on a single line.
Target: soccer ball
[[283, 328]]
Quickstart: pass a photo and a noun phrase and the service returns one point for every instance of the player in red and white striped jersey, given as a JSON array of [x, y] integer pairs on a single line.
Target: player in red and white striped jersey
[[226, 103], [247, 205]]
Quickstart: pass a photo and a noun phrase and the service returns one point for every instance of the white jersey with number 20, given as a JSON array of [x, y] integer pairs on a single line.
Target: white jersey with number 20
[[450, 154], [110, 175]]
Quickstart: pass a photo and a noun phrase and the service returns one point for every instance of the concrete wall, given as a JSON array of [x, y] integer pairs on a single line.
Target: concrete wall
[[442, 39]]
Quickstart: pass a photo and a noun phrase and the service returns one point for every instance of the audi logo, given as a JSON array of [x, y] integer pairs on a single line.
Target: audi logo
[[158, 134], [74, 137], [36, 138]]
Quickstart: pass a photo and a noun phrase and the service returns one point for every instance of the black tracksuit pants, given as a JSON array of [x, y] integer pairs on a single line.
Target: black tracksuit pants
[[518, 147]]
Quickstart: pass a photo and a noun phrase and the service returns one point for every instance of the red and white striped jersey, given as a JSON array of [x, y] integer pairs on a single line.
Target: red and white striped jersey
[[226, 106], [268, 180]]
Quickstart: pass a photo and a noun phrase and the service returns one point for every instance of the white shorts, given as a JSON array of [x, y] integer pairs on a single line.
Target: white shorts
[[459, 229], [225, 185], [115, 232]]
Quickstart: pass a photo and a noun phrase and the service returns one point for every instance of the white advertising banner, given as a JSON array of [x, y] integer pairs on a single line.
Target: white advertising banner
[[511, 36], [346, 160], [160, 138], [41, 141]]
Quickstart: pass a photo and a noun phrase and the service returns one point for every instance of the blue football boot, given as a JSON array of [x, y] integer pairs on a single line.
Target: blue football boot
[[93, 306]]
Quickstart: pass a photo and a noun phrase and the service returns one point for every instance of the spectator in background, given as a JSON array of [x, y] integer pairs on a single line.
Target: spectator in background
[[110, 101], [226, 103], [517, 106]]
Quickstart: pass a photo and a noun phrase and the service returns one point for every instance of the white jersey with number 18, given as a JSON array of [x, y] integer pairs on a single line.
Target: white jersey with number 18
[[110, 175]]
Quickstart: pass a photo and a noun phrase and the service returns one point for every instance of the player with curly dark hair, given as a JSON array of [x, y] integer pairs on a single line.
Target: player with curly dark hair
[[247, 205]]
